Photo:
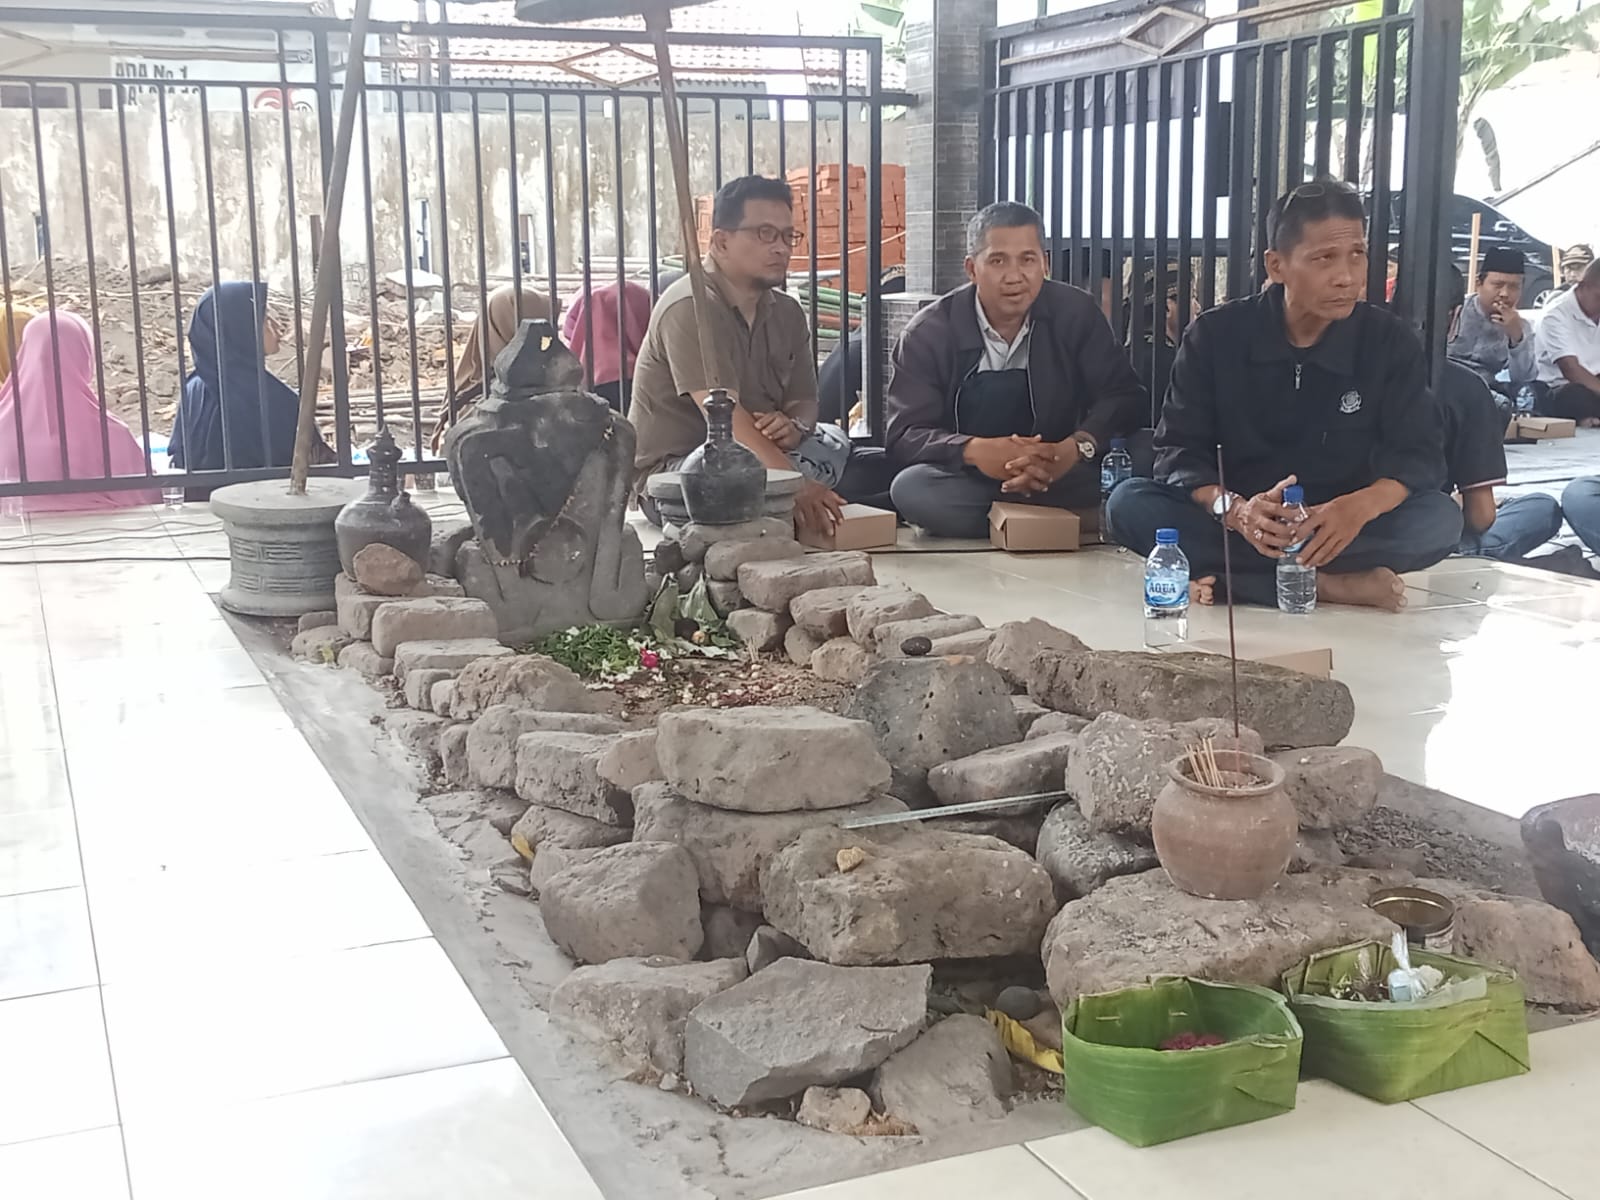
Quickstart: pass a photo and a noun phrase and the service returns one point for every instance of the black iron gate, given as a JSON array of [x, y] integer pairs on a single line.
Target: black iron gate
[[1154, 157]]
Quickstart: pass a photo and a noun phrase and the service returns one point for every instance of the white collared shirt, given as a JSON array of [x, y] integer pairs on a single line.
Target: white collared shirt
[[1565, 331], [999, 354]]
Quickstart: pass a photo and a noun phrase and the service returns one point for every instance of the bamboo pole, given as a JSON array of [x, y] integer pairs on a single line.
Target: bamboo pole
[[355, 80], [1472, 252]]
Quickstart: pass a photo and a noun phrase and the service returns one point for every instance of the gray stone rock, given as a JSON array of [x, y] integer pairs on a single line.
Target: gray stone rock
[[883, 606], [361, 658], [316, 620], [550, 859], [955, 1074], [442, 585], [919, 896], [834, 1110], [462, 810], [1029, 714], [1141, 925], [1120, 766], [768, 945], [842, 660], [697, 540], [492, 744], [630, 901], [442, 548], [1315, 848], [418, 687], [320, 644], [974, 644], [523, 681], [563, 771], [1020, 769], [355, 607], [512, 876], [430, 619], [1053, 723], [418, 732], [630, 760], [728, 930], [1017, 644], [1287, 708], [729, 848], [758, 629], [1080, 860], [638, 1005], [772, 585], [1563, 842], [1018, 1003], [888, 637], [542, 825], [1017, 827], [442, 695], [768, 759], [800, 645], [452, 655], [385, 571], [723, 559], [725, 597], [1331, 786], [822, 612], [801, 1024], [927, 711], [453, 755], [688, 577]]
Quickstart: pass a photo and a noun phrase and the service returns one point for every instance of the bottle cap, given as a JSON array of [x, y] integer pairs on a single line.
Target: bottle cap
[[1119, 443], [1294, 494], [1166, 537]]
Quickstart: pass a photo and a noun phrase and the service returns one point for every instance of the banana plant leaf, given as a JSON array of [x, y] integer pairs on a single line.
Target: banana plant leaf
[[1475, 1030], [1115, 1074]]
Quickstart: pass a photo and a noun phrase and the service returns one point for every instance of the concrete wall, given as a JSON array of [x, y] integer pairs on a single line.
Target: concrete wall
[[146, 191]]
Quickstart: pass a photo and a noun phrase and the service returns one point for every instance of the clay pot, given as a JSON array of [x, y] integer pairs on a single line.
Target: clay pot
[[1229, 843], [723, 482]]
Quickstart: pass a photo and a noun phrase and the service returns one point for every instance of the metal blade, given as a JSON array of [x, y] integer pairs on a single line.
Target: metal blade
[[953, 810]]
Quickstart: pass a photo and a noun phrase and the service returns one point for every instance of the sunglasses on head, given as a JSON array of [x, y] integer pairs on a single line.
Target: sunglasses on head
[[1319, 189]]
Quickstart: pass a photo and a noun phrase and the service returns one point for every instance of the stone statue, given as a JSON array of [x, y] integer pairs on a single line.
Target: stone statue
[[544, 470]]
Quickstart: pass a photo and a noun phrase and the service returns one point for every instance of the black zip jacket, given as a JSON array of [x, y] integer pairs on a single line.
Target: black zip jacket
[[1340, 415]]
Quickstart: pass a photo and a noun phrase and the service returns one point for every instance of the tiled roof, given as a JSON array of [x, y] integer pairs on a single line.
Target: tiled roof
[[599, 62]]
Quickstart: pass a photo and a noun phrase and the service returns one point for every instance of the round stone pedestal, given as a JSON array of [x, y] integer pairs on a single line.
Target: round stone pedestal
[[666, 489], [283, 550]]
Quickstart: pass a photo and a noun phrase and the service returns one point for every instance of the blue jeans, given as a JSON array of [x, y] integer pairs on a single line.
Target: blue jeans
[[1581, 503], [1521, 524]]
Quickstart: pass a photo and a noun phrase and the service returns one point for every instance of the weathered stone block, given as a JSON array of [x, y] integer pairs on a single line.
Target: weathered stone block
[[430, 619], [723, 559], [418, 687], [447, 539], [1563, 841], [768, 945], [628, 901], [563, 770], [696, 540], [320, 644], [725, 597], [1331, 786], [955, 1074], [630, 760], [492, 744], [1019, 769], [418, 732], [453, 755], [1017, 644], [975, 644], [883, 606], [361, 658], [1079, 860], [523, 681], [800, 645], [1052, 723], [355, 607], [442, 695], [758, 629], [888, 637], [834, 1110], [544, 825], [842, 660], [638, 1005], [315, 620], [385, 571], [728, 930], [771, 585], [448, 655], [823, 612]]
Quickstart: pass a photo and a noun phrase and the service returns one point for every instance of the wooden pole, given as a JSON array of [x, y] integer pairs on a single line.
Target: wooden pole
[[355, 79], [1472, 252]]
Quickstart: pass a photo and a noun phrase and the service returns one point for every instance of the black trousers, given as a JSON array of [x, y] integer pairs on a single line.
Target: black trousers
[[1570, 400], [1423, 530]]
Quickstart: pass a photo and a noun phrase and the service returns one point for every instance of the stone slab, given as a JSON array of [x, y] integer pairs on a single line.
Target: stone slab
[[629, 901], [453, 655], [431, 619], [772, 585]]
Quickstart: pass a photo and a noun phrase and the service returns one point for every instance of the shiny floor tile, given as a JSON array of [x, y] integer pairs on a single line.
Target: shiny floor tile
[[1306, 1152], [55, 1074], [192, 1041], [232, 917], [1010, 1173], [475, 1132], [70, 1166], [32, 780], [45, 944], [38, 851]]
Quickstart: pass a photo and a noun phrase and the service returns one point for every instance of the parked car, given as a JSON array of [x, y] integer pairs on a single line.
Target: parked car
[[1494, 229]]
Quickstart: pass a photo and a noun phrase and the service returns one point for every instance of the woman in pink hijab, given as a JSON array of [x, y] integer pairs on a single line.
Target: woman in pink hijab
[[97, 445]]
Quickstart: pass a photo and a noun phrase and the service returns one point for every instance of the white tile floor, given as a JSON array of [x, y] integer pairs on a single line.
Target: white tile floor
[[211, 984]]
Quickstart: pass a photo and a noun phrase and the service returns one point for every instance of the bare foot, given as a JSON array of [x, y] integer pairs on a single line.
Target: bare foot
[[1377, 588], [1203, 590], [1590, 422]]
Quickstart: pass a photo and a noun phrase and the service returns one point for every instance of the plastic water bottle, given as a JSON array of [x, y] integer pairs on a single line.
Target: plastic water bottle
[[1166, 592], [1114, 468], [1297, 583]]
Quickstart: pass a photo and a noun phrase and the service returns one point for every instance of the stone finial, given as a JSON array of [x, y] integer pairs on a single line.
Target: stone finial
[[535, 361]]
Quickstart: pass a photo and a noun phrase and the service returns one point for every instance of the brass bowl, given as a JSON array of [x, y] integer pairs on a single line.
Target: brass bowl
[[1427, 917]]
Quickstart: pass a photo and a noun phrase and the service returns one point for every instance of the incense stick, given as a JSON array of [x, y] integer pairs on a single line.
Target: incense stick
[[1227, 582]]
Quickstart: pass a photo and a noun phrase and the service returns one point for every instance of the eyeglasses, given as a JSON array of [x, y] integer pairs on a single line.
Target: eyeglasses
[[767, 235]]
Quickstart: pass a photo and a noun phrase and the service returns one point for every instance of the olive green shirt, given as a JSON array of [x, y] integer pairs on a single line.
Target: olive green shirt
[[768, 364]]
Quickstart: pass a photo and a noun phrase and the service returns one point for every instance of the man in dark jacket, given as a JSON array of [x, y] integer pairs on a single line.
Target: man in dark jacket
[[1007, 389], [1303, 383]]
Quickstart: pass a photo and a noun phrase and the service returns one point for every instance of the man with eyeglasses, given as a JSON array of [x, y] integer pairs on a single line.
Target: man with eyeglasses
[[1009, 388], [764, 358], [1303, 383]]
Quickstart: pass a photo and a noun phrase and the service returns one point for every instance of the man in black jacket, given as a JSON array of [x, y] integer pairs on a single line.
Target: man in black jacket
[[1007, 389], [1304, 383]]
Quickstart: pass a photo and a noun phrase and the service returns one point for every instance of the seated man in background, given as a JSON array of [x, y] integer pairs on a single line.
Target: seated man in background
[[764, 359], [610, 358], [1490, 335], [1009, 388], [1475, 455], [1569, 352], [1304, 382]]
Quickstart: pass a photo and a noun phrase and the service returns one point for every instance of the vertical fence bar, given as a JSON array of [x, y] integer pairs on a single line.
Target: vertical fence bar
[[1058, 120], [133, 279], [1186, 196], [374, 330], [1018, 149], [749, 136], [448, 408], [871, 308], [716, 142], [323, 62], [1268, 94], [444, 248], [1382, 224], [651, 232], [216, 289], [475, 114], [190, 450], [1095, 271], [989, 119], [1160, 283], [550, 204], [1240, 185], [1215, 165], [11, 329], [622, 270], [585, 215], [1355, 103], [255, 243], [49, 255], [513, 171], [324, 98], [783, 141], [1295, 99], [1119, 193], [811, 221], [844, 223], [1037, 197], [1327, 74], [94, 289], [1141, 181], [1003, 108], [1077, 271]]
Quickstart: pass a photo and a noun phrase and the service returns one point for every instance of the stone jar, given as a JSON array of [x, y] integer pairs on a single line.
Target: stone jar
[[1227, 843], [385, 514], [723, 482]]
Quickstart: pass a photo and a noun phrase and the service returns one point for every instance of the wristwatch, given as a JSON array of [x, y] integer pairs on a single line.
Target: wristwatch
[[1221, 503], [1087, 449]]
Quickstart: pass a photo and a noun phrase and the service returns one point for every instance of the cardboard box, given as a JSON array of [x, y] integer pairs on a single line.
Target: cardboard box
[[1033, 527], [1316, 661], [863, 528], [1544, 428]]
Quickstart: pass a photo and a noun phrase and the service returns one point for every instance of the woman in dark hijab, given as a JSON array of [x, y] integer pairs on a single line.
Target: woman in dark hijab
[[230, 336]]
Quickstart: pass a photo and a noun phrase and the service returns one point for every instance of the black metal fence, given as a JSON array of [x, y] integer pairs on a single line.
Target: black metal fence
[[1154, 166], [486, 156]]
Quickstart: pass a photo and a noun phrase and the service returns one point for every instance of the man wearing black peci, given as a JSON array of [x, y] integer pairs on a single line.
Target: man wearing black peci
[[1303, 383]]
